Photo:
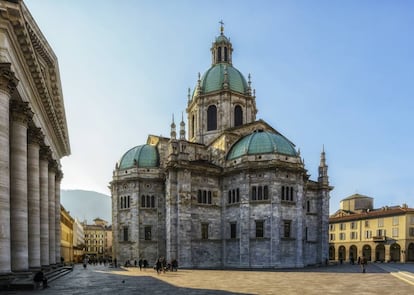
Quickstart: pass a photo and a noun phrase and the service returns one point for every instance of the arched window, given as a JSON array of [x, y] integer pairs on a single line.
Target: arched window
[[200, 197], [238, 115], [205, 197], [225, 54], [211, 118], [192, 126], [219, 54]]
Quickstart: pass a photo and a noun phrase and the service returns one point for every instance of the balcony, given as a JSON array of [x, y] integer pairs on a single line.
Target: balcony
[[378, 239]]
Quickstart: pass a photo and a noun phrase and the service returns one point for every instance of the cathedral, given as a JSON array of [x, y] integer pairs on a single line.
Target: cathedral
[[233, 192]]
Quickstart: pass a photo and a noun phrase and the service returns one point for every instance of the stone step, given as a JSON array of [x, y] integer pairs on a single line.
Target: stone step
[[27, 283]]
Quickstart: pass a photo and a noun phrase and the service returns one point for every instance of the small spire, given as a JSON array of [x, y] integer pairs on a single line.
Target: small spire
[[323, 159], [188, 94], [173, 133], [199, 84], [221, 27], [182, 127], [323, 169]]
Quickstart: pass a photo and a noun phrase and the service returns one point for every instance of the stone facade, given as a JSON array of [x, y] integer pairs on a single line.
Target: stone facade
[[33, 139], [221, 198]]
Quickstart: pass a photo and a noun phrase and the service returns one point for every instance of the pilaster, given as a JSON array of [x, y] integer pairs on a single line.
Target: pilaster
[[20, 115], [8, 83]]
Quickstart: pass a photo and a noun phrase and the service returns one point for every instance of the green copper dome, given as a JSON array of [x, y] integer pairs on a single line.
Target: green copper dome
[[144, 156], [213, 79], [261, 142]]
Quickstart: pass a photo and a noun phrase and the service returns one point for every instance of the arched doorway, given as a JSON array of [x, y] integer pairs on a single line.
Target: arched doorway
[[341, 253], [366, 251], [380, 253], [395, 252], [352, 253], [410, 252], [331, 252]]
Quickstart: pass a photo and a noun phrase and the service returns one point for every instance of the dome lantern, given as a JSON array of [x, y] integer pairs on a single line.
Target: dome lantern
[[221, 49]]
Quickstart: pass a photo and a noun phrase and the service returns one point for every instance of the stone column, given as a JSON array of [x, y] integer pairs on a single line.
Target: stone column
[[52, 212], [58, 179], [8, 83], [20, 115], [44, 204], [35, 137]]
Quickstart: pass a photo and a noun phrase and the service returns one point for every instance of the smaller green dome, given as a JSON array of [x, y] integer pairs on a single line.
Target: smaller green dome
[[213, 79], [261, 142], [144, 156]]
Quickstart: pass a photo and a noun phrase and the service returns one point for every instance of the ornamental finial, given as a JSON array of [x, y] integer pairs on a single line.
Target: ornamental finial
[[221, 27]]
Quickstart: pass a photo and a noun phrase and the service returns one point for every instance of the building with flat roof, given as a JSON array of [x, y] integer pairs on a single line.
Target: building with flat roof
[[97, 239], [384, 234], [66, 244]]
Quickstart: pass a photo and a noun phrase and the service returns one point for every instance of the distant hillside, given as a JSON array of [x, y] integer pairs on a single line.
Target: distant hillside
[[87, 205]]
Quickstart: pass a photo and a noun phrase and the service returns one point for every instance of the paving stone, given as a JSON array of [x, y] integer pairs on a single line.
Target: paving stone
[[336, 279]]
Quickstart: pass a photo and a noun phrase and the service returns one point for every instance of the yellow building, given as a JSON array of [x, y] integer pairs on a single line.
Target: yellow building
[[385, 234], [66, 241]]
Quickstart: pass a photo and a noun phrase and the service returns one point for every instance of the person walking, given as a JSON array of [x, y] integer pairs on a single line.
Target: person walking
[[363, 264], [158, 265]]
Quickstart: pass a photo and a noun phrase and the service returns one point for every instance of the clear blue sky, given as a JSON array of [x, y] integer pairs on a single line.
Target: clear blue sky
[[332, 73]]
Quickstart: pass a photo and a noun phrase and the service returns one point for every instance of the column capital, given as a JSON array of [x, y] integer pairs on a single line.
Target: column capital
[[59, 175], [53, 165], [45, 152], [35, 134], [20, 111], [8, 80]]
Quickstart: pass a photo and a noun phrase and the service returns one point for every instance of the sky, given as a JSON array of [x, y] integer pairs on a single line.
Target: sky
[[332, 74]]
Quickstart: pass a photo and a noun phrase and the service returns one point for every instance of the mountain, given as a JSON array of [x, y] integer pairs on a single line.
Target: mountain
[[87, 205]]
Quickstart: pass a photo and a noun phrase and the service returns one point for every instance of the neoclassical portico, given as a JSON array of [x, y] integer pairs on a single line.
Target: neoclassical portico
[[33, 139]]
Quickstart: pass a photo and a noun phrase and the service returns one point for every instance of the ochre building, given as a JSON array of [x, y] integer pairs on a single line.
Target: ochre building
[[33, 139], [66, 244], [230, 192], [384, 235]]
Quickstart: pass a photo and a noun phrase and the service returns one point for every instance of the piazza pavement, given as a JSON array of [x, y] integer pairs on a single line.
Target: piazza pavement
[[333, 279]]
